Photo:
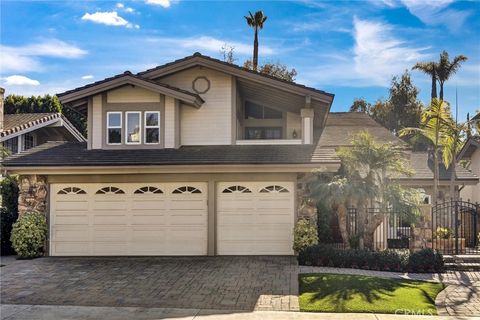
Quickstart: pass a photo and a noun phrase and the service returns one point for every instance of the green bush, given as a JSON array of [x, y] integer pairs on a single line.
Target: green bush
[[386, 260], [8, 212], [305, 235], [443, 233], [29, 234]]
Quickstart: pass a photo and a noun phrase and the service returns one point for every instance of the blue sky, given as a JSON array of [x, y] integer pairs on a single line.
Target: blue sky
[[351, 49]]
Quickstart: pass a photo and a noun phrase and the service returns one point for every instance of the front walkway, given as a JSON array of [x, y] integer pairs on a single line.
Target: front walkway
[[460, 298], [228, 283]]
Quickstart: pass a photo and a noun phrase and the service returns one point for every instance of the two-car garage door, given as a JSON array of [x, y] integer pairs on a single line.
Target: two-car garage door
[[171, 219]]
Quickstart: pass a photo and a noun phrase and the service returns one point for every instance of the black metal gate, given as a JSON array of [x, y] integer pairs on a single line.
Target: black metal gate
[[455, 227]]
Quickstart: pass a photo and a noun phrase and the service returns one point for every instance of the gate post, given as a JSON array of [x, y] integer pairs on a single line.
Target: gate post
[[422, 232], [456, 227]]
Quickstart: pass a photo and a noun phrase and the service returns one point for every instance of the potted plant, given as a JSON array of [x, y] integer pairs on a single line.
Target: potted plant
[[445, 242]]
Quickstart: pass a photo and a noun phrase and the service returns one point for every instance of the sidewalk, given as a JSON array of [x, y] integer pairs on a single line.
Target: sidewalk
[[35, 312]]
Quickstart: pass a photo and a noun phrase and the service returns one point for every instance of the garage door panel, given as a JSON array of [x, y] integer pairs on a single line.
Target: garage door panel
[[70, 234], [124, 221], [266, 218], [232, 218], [234, 204]]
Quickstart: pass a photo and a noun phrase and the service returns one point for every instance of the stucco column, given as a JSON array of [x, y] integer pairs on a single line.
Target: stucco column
[[422, 235], [32, 194], [307, 125]]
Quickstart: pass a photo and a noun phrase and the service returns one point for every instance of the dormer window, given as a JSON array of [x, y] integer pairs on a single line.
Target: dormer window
[[114, 127], [133, 127], [152, 127], [255, 111]]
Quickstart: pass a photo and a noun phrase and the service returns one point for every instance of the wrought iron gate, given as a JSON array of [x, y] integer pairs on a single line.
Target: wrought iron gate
[[455, 227]]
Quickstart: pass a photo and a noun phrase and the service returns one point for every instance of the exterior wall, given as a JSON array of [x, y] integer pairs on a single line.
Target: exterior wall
[[131, 94], [211, 124], [294, 122], [172, 123], [97, 124], [32, 194], [211, 178], [473, 192]]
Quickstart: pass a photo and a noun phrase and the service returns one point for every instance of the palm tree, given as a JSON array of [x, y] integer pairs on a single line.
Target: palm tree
[[446, 68], [256, 22], [436, 122], [429, 69], [451, 147]]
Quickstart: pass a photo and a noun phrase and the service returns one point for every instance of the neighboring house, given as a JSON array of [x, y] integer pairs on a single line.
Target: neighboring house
[[23, 131], [194, 157], [471, 154]]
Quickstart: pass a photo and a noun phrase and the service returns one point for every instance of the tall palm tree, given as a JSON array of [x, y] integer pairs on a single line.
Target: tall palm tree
[[256, 22], [435, 125], [429, 69], [451, 147], [446, 68]]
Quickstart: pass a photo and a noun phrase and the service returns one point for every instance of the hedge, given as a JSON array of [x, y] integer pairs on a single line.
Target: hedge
[[425, 260]]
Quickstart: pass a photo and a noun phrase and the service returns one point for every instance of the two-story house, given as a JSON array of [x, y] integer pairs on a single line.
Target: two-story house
[[194, 157]]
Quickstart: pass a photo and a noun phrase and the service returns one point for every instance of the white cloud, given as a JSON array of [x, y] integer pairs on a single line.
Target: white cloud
[[436, 12], [120, 5], [26, 58], [163, 3], [87, 77], [109, 18], [377, 55], [129, 10], [16, 80]]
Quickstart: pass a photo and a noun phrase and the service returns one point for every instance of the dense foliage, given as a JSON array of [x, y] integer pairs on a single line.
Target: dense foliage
[[47, 103], [304, 235], [29, 234], [8, 212], [388, 260]]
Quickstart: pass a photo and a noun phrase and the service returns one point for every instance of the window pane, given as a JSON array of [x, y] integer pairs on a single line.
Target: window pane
[[273, 133], [27, 141], [115, 135], [253, 111], [151, 119], [253, 133], [133, 127], [11, 145], [152, 135], [114, 120], [269, 113]]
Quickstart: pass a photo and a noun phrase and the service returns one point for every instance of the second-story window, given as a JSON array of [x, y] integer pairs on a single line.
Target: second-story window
[[152, 127], [114, 127], [133, 125]]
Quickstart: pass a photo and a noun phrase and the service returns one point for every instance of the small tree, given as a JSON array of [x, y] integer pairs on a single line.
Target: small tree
[[360, 105], [277, 70], [29, 234], [305, 235]]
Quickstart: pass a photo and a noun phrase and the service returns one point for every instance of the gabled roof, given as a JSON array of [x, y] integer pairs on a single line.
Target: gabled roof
[[128, 78], [470, 146], [199, 59], [15, 124], [341, 126]]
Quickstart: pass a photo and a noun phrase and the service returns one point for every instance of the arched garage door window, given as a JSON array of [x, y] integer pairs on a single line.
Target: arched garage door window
[[186, 190], [236, 189], [273, 189], [71, 190], [148, 190], [110, 190]]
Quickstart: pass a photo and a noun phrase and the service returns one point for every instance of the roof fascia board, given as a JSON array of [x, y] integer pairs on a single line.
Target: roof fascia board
[[129, 79], [68, 170], [238, 72], [32, 128]]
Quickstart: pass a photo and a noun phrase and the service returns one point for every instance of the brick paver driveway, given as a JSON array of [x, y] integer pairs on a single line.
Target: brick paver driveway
[[234, 283]]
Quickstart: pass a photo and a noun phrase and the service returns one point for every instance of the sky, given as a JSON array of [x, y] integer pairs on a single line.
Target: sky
[[349, 48]]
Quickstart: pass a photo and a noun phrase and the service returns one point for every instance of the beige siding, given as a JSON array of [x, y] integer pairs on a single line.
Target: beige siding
[[97, 125], [212, 123], [473, 192], [132, 94], [294, 122], [172, 115]]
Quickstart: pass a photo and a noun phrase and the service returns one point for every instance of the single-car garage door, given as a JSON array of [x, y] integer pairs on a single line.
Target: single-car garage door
[[128, 219], [255, 218]]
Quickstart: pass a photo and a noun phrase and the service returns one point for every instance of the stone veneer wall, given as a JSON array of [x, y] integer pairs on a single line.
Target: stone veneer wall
[[32, 194], [422, 234]]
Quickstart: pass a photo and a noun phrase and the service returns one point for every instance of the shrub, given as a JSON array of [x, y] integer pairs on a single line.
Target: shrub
[[8, 212], [386, 260], [29, 234], [443, 233], [305, 235]]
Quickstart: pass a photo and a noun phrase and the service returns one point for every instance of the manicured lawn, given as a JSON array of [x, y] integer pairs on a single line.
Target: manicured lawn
[[321, 292]]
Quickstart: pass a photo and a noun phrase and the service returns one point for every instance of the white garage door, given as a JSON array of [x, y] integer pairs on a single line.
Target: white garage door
[[128, 219], [255, 218]]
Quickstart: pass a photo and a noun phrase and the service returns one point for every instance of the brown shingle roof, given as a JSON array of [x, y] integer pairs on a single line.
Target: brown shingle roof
[[16, 122]]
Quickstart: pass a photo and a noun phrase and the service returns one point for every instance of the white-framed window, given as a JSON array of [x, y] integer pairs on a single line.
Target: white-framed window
[[133, 125], [114, 127], [28, 141], [152, 127]]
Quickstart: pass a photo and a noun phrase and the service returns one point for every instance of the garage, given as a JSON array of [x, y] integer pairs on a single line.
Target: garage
[[255, 218], [128, 219]]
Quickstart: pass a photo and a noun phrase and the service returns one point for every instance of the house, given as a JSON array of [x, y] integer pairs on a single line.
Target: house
[[194, 157], [23, 131], [471, 154]]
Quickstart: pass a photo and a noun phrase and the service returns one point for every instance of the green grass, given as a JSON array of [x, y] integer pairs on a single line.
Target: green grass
[[321, 292]]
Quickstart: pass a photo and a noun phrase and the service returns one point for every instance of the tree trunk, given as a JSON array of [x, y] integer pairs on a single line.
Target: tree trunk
[[441, 91], [435, 176], [361, 219], [255, 50], [434, 84], [370, 228], [342, 223]]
